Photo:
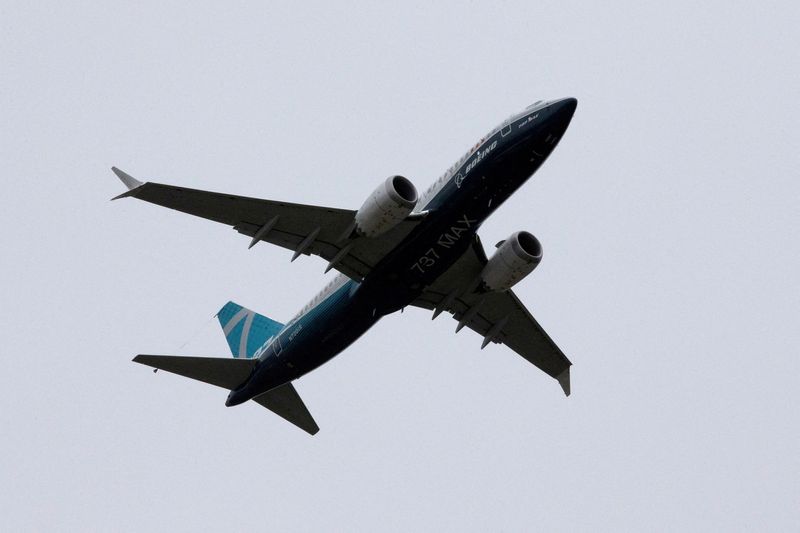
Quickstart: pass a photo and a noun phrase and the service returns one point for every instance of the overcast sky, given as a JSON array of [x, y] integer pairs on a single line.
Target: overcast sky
[[668, 215]]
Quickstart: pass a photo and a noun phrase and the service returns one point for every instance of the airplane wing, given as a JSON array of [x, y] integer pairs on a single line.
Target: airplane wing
[[498, 316], [304, 229]]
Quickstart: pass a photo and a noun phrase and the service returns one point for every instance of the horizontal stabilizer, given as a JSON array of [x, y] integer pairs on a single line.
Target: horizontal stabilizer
[[223, 372], [229, 374], [563, 380], [286, 403]]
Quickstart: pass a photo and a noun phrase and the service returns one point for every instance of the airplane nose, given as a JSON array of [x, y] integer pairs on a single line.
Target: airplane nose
[[561, 112], [564, 108]]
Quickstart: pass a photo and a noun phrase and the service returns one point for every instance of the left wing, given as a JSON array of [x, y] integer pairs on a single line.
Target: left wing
[[499, 316], [304, 229]]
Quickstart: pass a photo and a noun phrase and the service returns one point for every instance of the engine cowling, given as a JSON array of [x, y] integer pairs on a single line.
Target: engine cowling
[[387, 206], [515, 258]]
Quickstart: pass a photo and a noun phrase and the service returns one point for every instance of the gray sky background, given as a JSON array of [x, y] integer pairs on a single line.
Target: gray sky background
[[668, 215]]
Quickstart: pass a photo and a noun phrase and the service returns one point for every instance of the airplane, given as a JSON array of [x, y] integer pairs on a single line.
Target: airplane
[[399, 248]]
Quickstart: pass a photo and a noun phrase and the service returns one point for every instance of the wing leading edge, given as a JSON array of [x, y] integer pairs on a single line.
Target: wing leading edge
[[499, 317], [304, 229]]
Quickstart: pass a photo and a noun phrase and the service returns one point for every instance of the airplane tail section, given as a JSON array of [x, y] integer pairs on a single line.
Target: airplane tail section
[[246, 331], [229, 374], [248, 334], [286, 403]]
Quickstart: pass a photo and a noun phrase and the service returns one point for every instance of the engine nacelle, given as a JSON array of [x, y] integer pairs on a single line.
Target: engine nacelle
[[515, 258], [387, 206]]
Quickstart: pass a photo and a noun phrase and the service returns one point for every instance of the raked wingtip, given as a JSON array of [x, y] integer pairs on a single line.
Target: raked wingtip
[[130, 182]]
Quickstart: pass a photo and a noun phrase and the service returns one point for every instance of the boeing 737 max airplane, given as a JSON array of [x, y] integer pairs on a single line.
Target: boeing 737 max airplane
[[398, 249]]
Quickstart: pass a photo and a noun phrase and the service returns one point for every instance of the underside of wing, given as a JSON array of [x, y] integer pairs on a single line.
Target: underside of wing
[[304, 229], [499, 317]]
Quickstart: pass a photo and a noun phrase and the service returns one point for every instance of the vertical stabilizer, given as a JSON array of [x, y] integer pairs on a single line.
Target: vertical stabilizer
[[247, 332]]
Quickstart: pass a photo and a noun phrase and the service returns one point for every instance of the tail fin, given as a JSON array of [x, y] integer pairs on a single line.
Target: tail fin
[[246, 331]]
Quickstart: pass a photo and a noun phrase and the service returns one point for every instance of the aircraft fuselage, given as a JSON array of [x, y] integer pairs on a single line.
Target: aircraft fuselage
[[453, 210]]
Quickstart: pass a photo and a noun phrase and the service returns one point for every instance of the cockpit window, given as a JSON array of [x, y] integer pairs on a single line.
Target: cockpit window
[[537, 102]]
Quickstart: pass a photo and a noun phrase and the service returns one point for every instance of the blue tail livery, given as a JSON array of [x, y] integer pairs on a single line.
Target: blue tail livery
[[399, 249], [248, 333]]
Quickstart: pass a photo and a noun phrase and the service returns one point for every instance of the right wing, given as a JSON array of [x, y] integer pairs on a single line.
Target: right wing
[[499, 317], [304, 229]]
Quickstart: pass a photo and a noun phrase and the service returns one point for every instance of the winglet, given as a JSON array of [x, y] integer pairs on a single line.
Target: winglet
[[130, 182], [563, 380]]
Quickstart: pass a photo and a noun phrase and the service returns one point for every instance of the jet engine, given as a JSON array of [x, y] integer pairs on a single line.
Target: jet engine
[[387, 206], [515, 258]]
